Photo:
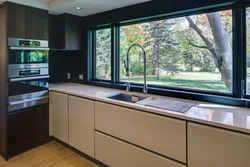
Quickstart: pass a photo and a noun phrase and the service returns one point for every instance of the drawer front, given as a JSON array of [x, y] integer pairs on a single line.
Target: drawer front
[[212, 147], [160, 134], [116, 153]]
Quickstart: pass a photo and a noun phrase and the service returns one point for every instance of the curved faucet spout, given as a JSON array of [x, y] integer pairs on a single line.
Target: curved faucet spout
[[126, 64]]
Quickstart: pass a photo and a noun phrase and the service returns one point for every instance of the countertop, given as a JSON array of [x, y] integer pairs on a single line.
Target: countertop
[[228, 117]]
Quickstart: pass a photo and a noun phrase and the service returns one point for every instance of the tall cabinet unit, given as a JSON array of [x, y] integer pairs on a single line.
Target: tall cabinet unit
[[3, 80], [19, 21]]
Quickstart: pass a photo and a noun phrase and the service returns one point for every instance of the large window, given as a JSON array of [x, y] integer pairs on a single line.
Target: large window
[[192, 52], [102, 61]]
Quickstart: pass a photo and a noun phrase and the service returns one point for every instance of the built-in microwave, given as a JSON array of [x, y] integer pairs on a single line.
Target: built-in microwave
[[24, 51]]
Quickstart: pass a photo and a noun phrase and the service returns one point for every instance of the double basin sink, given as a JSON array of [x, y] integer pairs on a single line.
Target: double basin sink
[[181, 106]]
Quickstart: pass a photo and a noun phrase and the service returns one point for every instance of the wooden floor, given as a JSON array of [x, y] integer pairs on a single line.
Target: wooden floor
[[51, 154]]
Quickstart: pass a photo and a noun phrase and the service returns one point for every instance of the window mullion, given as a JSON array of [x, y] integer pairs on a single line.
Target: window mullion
[[94, 54], [116, 54], [238, 63]]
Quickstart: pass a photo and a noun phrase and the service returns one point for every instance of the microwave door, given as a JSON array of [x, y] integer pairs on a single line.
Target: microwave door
[[28, 56]]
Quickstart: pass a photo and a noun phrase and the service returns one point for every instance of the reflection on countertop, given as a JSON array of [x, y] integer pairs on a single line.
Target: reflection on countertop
[[233, 118]]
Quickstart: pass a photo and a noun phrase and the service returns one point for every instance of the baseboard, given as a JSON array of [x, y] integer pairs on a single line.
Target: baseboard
[[81, 153]]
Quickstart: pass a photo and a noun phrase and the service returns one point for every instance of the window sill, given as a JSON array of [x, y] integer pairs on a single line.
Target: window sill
[[218, 99]]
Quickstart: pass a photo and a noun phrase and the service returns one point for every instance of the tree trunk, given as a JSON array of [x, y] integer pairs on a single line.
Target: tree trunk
[[222, 53], [223, 47]]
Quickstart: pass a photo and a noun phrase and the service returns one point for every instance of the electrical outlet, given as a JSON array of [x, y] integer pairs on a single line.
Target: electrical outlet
[[68, 75], [81, 77]]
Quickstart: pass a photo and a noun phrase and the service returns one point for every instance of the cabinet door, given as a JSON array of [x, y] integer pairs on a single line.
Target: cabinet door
[[160, 134], [42, 123], [27, 22], [81, 124], [61, 116], [16, 20], [73, 32], [51, 114], [65, 32], [21, 131], [116, 153], [212, 147], [37, 21]]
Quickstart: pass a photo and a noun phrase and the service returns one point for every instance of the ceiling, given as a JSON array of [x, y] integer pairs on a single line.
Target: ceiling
[[89, 7]]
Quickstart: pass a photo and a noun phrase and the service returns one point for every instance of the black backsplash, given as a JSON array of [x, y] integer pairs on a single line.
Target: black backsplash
[[62, 62]]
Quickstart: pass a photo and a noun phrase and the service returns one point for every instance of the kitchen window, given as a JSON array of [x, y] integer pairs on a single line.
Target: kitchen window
[[187, 54], [190, 52], [102, 51]]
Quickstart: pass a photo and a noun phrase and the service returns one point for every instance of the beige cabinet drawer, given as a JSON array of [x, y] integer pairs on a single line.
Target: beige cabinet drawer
[[212, 147], [81, 124], [116, 153], [157, 133]]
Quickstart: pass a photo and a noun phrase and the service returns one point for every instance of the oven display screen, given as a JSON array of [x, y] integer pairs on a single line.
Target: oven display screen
[[29, 72], [29, 43]]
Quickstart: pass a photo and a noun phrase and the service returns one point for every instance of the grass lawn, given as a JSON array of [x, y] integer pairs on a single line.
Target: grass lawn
[[194, 80]]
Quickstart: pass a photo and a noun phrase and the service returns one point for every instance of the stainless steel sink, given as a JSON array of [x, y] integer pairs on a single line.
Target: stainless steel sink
[[127, 98]]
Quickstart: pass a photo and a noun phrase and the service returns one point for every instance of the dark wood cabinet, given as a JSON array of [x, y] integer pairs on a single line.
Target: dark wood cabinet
[[27, 22], [65, 32], [27, 128]]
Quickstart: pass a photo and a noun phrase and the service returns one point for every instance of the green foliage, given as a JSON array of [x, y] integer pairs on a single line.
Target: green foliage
[[103, 54]]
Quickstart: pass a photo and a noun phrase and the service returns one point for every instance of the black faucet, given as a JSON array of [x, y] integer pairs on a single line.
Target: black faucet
[[126, 64]]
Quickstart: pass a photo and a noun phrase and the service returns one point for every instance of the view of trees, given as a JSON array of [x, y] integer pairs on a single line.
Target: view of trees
[[186, 52], [103, 54]]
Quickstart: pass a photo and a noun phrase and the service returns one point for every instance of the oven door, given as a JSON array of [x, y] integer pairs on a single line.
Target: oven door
[[27, 93], [20, 55]]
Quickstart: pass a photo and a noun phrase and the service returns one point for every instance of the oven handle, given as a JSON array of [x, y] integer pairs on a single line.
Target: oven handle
[[25, 48], [28, 78], [28, 100]]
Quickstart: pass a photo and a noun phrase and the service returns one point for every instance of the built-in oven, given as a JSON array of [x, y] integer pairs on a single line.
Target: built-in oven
[[28, 72]]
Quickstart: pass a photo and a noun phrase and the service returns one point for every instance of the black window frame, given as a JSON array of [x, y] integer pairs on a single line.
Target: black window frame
[[238, 95], [244, 28]]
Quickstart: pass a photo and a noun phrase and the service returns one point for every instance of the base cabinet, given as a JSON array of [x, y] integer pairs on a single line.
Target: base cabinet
[[81, 125], [116, 153], [160, 134], [27, 128], [212, 147], [61, 116]]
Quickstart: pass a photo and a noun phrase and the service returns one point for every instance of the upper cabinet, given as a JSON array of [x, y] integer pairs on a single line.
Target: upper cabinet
[[27, 22], [65, 32]]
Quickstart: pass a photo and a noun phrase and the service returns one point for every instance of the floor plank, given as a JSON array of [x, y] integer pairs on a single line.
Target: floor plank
[[51, 154]]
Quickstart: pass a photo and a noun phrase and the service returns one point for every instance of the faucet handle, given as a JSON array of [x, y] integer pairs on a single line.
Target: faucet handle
[[128, 87]]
